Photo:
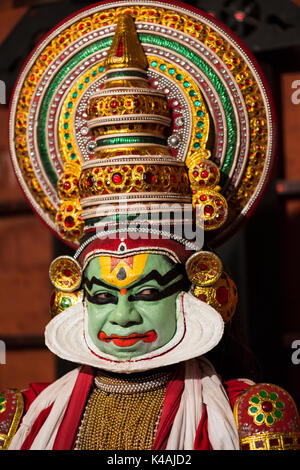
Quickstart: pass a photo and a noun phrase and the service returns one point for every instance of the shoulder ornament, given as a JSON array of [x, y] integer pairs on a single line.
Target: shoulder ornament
[[11, 412], [267, 419]]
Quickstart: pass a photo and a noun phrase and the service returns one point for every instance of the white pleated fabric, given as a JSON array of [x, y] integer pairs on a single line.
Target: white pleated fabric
[[58, 394], [202, 386]]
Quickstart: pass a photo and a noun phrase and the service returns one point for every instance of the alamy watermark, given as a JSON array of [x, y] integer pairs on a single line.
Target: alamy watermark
[[181, 222], [2, 92], [2, 352], [296, 353], [296, 94]]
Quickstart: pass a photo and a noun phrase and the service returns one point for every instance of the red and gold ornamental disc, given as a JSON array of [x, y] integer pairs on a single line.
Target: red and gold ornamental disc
[[199, 74]]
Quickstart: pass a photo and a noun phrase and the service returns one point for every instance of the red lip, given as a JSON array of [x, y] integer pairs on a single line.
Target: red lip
[[129, 340]]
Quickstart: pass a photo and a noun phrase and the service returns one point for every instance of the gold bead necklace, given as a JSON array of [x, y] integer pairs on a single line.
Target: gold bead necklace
[[123, 413]]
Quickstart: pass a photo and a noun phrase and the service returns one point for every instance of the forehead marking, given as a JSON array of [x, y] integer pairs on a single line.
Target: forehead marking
[[120, 272]]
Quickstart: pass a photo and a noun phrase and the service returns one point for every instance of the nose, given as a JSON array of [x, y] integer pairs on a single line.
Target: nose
[[125, 314]]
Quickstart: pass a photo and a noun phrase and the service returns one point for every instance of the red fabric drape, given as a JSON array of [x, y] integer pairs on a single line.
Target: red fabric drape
[[35, 428], [32, 392], [67, 432], [170, 407]]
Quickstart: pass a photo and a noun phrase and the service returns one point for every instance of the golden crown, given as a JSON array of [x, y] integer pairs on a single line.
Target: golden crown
[[141, 104], [130, 122]]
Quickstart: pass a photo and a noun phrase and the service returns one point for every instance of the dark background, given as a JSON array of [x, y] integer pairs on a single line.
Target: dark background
[[263, 257]]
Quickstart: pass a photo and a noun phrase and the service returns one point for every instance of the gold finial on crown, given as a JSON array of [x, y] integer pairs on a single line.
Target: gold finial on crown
[[126, 49]]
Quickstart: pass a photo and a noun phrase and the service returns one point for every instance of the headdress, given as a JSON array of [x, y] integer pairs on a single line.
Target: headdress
[[131, 110]]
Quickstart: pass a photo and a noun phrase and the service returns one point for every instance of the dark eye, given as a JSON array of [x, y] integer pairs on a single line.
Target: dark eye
[[147, 294], [148, 291], [103, 295], [102, 298]]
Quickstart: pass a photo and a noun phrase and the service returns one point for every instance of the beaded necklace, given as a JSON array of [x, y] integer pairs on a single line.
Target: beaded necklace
[[123, 413]]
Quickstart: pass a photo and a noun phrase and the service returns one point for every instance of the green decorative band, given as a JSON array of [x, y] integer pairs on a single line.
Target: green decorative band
[[131, 140], [125, 74], [145, 39]]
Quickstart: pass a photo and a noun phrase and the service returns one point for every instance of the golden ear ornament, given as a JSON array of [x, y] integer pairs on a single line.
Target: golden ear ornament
[[65, 274], [204, 268], [60, 301], [211, 284], [222, 296]]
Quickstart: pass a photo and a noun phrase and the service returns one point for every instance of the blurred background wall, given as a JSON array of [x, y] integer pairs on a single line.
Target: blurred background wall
[[263, 257]]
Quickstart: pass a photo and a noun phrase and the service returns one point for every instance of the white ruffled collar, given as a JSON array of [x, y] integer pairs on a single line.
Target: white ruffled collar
[[199, 329]]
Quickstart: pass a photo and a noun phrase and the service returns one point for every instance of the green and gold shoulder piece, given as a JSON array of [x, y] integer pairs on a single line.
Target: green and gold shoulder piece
[[267, 419]]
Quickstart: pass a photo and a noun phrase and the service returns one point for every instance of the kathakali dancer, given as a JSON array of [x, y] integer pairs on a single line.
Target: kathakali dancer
[[136, 127]]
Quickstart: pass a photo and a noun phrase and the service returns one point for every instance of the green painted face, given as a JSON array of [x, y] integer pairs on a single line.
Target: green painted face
[[131, 303]]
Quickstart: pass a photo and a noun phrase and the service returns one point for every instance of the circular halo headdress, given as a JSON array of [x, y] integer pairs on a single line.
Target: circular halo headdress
[[148, 103]]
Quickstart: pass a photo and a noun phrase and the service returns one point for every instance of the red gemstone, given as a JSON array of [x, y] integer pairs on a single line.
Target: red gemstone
[[113, 104], [267, 406], [117, 178], [203, 266], [67, 185], [90, 180], [204, 174], [69, 208], [203, 197], [222, 295], [67, 272], [148, 177], [195, 174], [136, 102], [120, 49], [69, 221], [208, 210], [219, 202]]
